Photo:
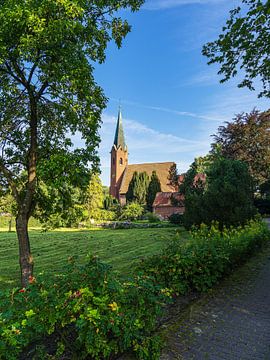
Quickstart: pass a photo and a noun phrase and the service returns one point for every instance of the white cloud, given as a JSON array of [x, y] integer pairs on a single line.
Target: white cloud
[[166, 4], [170, 111]]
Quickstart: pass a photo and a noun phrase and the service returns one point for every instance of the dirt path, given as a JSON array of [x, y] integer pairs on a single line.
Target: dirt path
[[230, 323]]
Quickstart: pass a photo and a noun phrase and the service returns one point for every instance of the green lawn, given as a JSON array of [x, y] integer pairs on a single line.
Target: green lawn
[[121, 248]]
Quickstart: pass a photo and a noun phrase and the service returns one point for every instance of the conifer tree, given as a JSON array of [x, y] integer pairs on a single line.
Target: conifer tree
[[153, 188], [138, 188]]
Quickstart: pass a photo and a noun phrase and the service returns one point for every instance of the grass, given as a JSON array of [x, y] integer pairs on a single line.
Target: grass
[[123, 249]]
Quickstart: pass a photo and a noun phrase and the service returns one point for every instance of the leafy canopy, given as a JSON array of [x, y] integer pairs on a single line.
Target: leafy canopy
[[48, 92], [243, 45], [247, 138]]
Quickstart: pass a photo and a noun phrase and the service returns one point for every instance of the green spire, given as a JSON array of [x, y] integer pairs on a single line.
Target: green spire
[[119, 139]]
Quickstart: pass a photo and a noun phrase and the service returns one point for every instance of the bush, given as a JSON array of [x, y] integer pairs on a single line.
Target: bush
[[176, 219], [132, 211], [86, 311], [201, 262], [151, 217]]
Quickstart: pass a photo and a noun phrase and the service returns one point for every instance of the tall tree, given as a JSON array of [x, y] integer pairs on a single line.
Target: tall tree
[[94, 195], [226, 196], [47, 91], [153, 188], [247, 139], [138, 188], [243, 45]]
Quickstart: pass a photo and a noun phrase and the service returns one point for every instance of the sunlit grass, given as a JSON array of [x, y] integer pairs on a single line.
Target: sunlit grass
[[123, 249]]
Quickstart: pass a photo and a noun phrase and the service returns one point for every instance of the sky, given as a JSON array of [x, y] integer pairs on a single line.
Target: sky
[[171, 100]]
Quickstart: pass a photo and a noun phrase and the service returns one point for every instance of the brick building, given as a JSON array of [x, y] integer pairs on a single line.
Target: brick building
[[168, 203], [122, 172]]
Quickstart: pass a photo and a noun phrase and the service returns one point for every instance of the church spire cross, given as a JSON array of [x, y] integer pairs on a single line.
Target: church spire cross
[[119, 139]]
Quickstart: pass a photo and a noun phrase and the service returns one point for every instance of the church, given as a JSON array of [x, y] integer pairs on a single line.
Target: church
[[122, 172]]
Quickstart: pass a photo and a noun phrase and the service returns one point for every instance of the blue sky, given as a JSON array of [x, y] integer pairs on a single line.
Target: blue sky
[[171, 99]]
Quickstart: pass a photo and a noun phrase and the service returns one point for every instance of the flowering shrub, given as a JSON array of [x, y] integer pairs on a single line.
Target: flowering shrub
[[86, 311], [198, 264]]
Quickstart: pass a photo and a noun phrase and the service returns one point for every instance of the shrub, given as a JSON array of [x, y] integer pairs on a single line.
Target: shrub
[[176, 219], [151, 217], [202, 261], [86, 311], [132, 211]]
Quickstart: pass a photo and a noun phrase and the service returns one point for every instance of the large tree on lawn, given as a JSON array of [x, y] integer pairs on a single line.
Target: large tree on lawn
[[48, 93]]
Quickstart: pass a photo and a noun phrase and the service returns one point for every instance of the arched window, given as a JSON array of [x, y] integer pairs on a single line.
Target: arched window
[[121, 161]]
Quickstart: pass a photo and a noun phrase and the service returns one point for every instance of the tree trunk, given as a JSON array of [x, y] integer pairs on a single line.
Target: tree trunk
[[25, 257]]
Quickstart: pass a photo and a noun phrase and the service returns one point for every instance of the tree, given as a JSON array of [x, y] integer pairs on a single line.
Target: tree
[[59, 206], [173, 176], [94, 196], [8, 206], [243, 45], [153, 188], [226, 196], [138, 188], [247, 139], [48, 92]]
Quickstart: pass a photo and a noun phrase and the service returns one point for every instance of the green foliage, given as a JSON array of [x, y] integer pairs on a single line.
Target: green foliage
[[176, 219], [110, 202], [138, 188], [200, 263], [132, 211], [151, 217], [153, 188], [226, 196], [173, 176], [59, 207], [103, 315], [242, 45], [247, 139], [94, 196]]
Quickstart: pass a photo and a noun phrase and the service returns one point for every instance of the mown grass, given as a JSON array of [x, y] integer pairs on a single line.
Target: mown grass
[[123, 249]]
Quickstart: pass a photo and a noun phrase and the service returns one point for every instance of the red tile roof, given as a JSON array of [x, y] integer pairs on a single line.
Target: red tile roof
[[167, 199]]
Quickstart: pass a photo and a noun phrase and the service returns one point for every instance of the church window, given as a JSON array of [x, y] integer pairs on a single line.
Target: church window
[[121, 161]]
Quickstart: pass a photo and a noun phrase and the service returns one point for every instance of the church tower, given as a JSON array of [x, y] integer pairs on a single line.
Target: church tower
[[119, 158]]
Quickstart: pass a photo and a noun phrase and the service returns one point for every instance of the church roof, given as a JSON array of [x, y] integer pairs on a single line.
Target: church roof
[[165, 199], [162, 170], [119, 138]]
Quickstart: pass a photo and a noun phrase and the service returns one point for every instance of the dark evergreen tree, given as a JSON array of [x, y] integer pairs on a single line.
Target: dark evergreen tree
[[173, 176], [138, 188], [226, 196], [153, 188], [130, 192]]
